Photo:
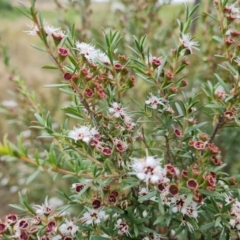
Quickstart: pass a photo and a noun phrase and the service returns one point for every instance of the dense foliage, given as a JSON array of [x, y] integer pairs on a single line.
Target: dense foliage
[[139, 137]]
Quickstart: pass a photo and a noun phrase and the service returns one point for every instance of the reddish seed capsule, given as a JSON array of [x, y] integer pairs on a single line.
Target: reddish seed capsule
[[3, 227], [107, 151], [63, 52], [173, 189], [192, 184], [67, 76]]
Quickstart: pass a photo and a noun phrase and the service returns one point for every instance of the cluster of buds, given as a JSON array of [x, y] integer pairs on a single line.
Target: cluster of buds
[[32, 228]]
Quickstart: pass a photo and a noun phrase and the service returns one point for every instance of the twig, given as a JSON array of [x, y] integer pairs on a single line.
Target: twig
[[63, 171], [218, 126]]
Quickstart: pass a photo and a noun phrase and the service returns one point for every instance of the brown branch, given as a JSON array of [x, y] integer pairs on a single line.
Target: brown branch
[[73, 85], [63, 171], [89, 157], [85, 103], [220, 123]]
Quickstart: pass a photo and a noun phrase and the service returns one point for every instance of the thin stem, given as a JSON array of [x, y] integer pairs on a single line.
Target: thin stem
[[73, 85], [218, 126], [63, 171], [82, 153], [85, 103]]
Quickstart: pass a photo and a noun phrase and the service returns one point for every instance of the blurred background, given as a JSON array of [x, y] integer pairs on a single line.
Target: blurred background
[[22, 79]]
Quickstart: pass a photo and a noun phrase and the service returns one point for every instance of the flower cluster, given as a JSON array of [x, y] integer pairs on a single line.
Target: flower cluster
[[32, 228]]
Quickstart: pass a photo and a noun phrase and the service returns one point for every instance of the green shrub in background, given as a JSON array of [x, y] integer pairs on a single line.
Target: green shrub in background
[[5, 5]]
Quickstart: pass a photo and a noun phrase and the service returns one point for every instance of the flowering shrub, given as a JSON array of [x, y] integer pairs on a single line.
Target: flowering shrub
[[146, 169]]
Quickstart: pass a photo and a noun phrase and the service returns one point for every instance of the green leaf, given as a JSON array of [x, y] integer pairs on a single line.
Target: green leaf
[[207, 226], [218, 39], [214, 106], [49, 67], [194, 127], [18, 207], [223, 84], [32, 176], [56, 85], [211, 194], [38, 48], [40, 119], [160, 219], [205, 13], [217, 222], [67, 91], [147, 197]]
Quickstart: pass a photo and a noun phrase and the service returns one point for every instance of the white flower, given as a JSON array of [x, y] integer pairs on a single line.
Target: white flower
[[93, 216], [148, 169], [48, 29], [129, 122], [185, 207], [122, 227], [91, 53], [178, 203], [228, 199], [83, 133], [117, 110], [154, 101], [102, 57], [187, 43], [233, 10], [42, 209], [190, 209], [88, 50], [33, 29], [68, 228], [59, 34]]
